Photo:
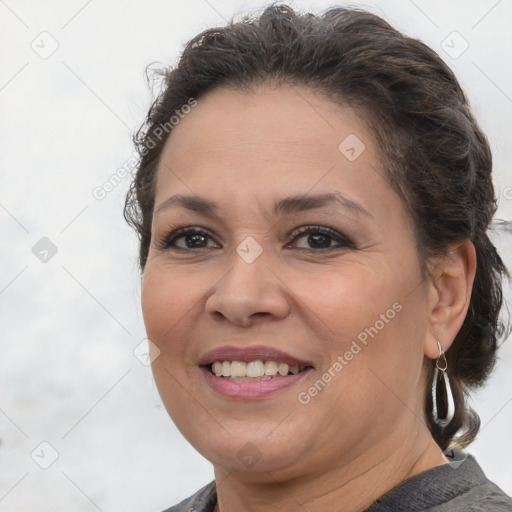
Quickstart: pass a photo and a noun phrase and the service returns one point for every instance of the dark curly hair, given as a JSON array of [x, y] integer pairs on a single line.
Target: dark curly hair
[[434, 153]]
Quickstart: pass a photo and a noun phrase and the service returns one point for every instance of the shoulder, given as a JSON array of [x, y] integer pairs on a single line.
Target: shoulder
[[447, 488], [203, 500], [486, 497]]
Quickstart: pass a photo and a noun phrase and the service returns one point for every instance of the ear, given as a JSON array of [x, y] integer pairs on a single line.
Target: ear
[[449, 295]]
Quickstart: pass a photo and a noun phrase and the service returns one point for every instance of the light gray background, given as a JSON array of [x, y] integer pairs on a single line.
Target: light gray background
[[70, 325]]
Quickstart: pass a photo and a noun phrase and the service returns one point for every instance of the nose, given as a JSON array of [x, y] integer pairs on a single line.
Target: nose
[[247, 293]]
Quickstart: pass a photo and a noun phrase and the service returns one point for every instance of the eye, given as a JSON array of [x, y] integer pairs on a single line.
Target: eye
[[188, 238], [319, 237]]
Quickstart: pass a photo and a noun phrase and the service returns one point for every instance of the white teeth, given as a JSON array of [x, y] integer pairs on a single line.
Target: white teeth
[[226, 369], [238, 369], [283, 369], [270, 368], [294, 369], [253, 369], [217, 368]]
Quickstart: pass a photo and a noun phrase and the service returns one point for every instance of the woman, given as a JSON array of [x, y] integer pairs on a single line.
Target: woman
[[312, 201]]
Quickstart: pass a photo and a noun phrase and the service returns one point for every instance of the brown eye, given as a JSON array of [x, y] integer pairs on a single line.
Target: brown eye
[[188, 239], [319, 237], [195, 240]]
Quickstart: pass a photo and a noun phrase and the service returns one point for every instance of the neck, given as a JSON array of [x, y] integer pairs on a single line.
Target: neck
[[351, 487]]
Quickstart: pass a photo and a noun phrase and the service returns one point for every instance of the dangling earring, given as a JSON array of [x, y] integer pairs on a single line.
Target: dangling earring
[[443, 406]]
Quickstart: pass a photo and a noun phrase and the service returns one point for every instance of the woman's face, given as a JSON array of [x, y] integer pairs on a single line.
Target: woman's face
[[297, 253]]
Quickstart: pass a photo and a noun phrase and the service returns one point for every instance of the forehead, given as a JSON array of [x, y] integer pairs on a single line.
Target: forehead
[[266, 139]]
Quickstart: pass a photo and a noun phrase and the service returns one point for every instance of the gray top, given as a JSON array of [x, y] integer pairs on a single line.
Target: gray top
[[440, 489]]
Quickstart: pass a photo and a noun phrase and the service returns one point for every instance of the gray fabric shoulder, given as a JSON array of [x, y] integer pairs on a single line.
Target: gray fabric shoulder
[[441, 489], [486, 497], [203, 500], [446, 489]]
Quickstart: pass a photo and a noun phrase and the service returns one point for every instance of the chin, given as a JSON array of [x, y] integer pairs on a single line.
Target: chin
[[250, 455]]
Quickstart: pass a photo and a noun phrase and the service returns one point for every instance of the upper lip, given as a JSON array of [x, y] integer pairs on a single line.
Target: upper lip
[[253, 353]]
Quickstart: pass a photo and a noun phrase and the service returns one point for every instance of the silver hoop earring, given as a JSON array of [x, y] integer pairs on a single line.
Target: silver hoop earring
[[443, 406]]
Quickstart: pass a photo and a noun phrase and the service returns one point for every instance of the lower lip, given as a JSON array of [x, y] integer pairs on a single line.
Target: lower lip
[[251, 390]]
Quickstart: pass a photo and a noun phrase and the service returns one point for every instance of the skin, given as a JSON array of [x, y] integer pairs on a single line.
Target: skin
[[364, 432]]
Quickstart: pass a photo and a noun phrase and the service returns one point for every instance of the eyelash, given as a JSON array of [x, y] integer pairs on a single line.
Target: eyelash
[[166, 242]]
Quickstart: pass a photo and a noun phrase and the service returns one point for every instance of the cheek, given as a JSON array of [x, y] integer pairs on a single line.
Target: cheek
[[168, 310], [167, 300], [349, 300], [155, 301], [371, 316]]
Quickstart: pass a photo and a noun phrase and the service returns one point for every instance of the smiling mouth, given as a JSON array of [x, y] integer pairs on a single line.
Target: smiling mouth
[[253, 371]]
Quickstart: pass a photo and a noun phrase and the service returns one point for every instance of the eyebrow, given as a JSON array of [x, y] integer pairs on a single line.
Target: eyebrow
[[286, 206]]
